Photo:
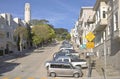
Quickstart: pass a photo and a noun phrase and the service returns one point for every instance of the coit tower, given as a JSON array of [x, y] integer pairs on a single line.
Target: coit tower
[[27, 16]]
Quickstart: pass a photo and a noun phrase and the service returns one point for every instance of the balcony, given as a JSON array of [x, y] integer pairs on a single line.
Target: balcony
[[101, 25], [91, 19]]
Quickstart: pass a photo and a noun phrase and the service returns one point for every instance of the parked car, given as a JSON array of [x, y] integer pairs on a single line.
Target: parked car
[[66, 47], [73, 60], [63, 69], [58, 54], [64, 53], [65, 42], [71, 51]]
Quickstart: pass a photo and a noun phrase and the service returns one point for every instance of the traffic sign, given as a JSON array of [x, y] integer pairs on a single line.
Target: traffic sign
[[83, 46], [90, 45], [90, 36]]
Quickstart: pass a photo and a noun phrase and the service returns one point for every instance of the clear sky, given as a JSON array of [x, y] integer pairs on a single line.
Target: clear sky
[[60, 13]]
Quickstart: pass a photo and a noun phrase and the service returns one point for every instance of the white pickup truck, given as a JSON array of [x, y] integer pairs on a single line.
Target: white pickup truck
[[75, 62]]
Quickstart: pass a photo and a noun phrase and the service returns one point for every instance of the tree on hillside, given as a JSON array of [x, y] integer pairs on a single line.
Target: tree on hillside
[[60, 30], [39, 22], [61, 33], [51, 33], [68, 37], [42, 33], [22, 34]]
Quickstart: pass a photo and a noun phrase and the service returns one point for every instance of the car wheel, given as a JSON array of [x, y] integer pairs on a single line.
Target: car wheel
[[52, 74], [81, 74], [76, 75]]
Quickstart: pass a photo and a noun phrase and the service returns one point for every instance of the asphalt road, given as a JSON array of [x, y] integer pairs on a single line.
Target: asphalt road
[[30, 66]]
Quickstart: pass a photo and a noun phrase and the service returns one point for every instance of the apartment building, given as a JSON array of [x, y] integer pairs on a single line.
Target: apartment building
[[107, 32], [72, 34], [2, 33], [21, 23], [113, 33], [8, 25], [83, 25], [103, 20], [101, 23], [75, 34]]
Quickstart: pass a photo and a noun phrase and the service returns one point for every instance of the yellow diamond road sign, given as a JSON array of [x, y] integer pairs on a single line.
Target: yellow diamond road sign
[[90, 36], [90, 45]]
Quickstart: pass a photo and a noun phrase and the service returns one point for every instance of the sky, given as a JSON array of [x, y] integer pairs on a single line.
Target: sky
[[59, 13]]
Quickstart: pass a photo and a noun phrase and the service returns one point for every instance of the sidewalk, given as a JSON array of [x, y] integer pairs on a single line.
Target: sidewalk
[[14, 55], [94, 73]]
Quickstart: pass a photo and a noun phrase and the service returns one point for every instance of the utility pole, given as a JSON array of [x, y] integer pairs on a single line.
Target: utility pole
[[105, 56]]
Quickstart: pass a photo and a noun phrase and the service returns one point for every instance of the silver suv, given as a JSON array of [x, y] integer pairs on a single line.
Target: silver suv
[[63, 69]]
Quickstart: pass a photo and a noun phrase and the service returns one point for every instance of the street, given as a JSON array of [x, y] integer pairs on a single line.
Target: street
[[31, 66]]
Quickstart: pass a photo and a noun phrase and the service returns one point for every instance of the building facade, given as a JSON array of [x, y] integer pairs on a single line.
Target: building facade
[[8, 40], [75, 34], [113, 33], [7, 27], [83, 26], [100, 9], [103, 21]]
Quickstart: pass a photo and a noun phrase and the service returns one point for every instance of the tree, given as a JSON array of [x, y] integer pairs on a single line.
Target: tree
[[35, 22], [42, 33], [61, 33], [51, 33], [60, 30], [22, 34], [68, 37]]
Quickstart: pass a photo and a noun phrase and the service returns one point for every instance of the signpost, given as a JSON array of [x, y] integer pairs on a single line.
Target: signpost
[[90, 37]]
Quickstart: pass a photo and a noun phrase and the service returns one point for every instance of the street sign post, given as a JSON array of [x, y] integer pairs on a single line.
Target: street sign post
[[90, 37]]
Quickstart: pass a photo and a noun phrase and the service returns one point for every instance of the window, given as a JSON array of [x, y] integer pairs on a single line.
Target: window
[[104, 14], [66, 60], [115, 21], [8, 34], [59, 60], [56, 66], [66, 66], [7, 22], [1, 26], [104, 35], [108, 30], [108, 51], [15, 39]]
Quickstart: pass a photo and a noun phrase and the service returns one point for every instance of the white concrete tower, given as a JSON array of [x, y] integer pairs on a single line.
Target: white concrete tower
[[27, 16]]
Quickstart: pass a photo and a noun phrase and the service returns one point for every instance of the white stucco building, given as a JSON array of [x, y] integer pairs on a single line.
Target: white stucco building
[[7, 27]]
